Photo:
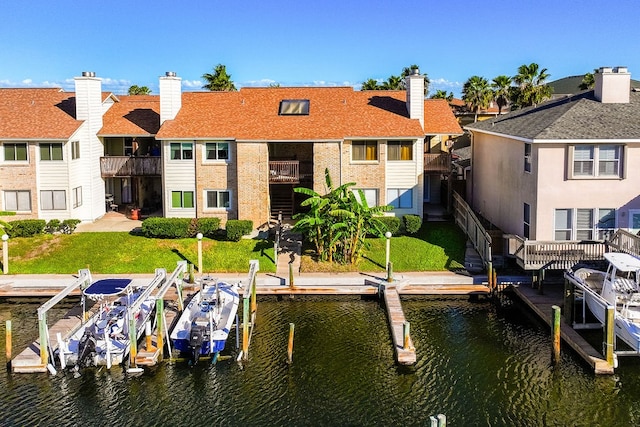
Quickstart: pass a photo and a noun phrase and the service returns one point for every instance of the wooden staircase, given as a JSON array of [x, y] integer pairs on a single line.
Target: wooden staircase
[[282, 200]]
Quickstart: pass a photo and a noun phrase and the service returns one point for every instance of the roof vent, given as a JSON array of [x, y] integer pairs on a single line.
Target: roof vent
[[170, 74], [88, 74], [415, 71]]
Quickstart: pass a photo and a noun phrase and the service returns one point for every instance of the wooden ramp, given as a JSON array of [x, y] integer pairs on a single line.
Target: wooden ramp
[[404, 355]]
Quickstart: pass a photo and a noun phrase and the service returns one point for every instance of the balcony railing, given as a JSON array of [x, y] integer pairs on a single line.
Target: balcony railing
[[284, 172], [124, 166], [536, 254], [437, 162]]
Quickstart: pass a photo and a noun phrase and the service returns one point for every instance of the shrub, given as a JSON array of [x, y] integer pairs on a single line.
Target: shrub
[[52, 226], [26, 227], [391, 223], [412, 223], [208, 226], [7, 213], [68, 226], [236, 228], [166, 228]]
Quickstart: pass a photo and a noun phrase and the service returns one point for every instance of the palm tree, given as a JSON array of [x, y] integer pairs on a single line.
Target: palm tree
[[531, 87], [501, 86], [442, 94], [477, 94], [408, 71], [371, 84], [394, 83], [139, 90], [588, 81], [219, 80]]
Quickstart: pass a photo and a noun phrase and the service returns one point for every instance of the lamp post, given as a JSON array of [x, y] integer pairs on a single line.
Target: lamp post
[[5, 254], [199, 237], [386, 264]]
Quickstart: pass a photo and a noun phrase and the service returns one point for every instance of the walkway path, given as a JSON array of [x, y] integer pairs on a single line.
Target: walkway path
[[290, 251]]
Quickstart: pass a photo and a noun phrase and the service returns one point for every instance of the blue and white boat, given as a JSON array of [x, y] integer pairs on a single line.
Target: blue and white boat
[[105, 339], [203, 327]]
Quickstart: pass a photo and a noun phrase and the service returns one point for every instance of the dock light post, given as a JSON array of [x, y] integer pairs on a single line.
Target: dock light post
[[5, 254], [199, 237], [388, 251]]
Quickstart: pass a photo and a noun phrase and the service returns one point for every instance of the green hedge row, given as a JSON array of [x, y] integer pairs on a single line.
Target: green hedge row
[[409, 224], [179, 228], [32, 227], [236, 228]]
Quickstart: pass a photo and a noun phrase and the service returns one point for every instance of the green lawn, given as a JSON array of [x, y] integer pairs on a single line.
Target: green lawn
[[437, 247]]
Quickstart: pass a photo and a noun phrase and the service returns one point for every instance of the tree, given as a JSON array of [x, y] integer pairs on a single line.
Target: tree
[[371, 84], [338, 222], [588, 81], [442, 94], [219, 80], [395, 82], [139, 90], [501, 86], [531, 88], [406, 71], [477, 94]]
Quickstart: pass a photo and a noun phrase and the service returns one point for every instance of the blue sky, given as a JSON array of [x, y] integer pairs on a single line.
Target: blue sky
[[306, 42]]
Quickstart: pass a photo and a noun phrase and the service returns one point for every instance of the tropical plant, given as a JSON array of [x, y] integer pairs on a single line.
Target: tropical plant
[[219, 80], [531, 88], [442, 94], [477, 94], [139, 90], [588, 81], [408, 71], [501, 87], [337, 223], [395, 82], [371, 84]]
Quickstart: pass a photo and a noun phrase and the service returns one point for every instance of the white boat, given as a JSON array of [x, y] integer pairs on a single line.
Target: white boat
[[203, 326], [618, 287], [104, 339]]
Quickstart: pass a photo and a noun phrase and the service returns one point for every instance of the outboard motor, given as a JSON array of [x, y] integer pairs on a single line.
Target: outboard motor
[[198, 335], [86, 349]]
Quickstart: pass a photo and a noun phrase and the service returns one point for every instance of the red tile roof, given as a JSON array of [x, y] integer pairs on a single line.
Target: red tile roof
[[252, 114], [37, 114], [439, 119], [136, 115]]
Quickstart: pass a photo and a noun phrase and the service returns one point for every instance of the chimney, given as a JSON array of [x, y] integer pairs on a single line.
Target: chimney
[[415, 95], [170, 96], [612, 85], [88, 96]]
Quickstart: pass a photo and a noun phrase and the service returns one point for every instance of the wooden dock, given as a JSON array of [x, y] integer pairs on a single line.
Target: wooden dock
[[541, 305], [404, 349]]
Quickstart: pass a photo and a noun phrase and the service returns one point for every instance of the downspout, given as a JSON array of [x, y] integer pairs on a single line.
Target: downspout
[[340, 163]]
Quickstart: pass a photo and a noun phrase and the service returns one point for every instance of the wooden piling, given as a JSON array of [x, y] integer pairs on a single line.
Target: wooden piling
[[133, 342], [254, 298], [405, 335], [290, 346], [147, 335], [160, 327], [490, 275], [609, 335], [291, 284], [390, 272], [44, 340], [5, 254], [8, 344], [556, 334], [245, 328], [569, 302]]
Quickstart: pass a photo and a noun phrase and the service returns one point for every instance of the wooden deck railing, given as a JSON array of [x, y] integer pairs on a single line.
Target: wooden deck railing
[[284, 172], [469, 222], [437, 162], [537, 254], [124, 166], [623, 241]]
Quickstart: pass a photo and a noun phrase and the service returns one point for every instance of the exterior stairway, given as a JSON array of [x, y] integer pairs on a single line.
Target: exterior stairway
[[282, 200]]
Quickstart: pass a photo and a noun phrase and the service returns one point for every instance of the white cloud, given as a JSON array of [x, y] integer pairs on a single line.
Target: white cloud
[[192, 84]]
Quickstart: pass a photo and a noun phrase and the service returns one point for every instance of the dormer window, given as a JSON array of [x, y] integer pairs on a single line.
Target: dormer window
[[294, 107]]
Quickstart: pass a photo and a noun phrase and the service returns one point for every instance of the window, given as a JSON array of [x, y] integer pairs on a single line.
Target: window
[[75, 150], [53, 200], [364, 150], [607, 158], [50, 151], [527, 157], [19, 200], [400, 198], [584, 224], [181, 150], [606, 223], [400, 150], [217, 151], [370, 195], [294, 107], [77, 197], [182, 199], [15, 152], [218, 199], [527, 220], [563, 224]]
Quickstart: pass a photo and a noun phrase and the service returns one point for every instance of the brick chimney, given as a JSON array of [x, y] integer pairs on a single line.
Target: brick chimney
[[415, 95], [170, 96], [612, 85]]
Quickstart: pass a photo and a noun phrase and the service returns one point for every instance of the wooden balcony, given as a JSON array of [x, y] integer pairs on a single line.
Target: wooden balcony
[[284, 172], [126, 166], [437, 162], [536, 254]]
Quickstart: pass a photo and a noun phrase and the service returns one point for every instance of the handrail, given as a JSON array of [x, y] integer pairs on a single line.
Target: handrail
[[114, 166], [471, 225], [284, 171], [437, 162], [624, 241]]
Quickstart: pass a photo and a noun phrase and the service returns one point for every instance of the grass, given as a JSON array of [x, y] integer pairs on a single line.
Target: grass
[[113, 253], [436, 247]]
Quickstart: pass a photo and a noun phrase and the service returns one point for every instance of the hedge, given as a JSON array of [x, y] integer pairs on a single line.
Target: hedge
[[236, 228], [26, 227], [391, 224], [179, 228], [412, 223]]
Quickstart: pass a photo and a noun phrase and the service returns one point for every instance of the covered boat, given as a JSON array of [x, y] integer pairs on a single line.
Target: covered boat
[[203, 327]]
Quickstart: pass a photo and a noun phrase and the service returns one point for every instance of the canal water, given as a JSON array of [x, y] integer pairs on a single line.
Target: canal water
[[478, 365]]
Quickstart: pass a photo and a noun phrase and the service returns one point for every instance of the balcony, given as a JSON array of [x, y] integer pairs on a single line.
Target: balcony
[[440, 163], [126, 166], [284, 172]]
